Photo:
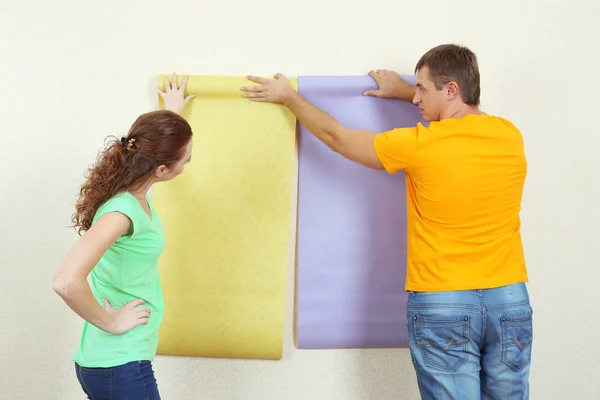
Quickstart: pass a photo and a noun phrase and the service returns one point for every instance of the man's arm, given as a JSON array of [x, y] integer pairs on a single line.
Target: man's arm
[[355, 145]]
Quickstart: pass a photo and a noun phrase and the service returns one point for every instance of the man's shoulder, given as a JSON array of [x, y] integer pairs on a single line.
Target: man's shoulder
[[475, 121], [502, 120]]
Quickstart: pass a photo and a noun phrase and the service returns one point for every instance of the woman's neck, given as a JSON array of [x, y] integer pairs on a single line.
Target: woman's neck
[[140, 191]]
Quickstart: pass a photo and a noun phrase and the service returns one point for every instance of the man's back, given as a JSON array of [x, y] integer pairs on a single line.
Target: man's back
[[465, 181]]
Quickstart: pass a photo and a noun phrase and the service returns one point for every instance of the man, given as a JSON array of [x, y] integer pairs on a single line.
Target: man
[[469, 317]]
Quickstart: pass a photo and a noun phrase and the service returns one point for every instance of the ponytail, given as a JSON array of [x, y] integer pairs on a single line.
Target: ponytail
[[155, 138]]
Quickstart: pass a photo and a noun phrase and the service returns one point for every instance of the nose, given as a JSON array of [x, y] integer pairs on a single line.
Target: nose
[[417, 99]]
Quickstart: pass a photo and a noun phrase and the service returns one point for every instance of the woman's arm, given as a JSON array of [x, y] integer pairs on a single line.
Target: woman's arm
[[70, 280]]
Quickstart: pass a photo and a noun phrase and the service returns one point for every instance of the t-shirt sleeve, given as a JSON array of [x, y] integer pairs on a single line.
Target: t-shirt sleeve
[[396, 149], [119, 203]]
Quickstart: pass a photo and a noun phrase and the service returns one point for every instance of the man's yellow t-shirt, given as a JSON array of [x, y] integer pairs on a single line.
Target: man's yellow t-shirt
[[464, 184]]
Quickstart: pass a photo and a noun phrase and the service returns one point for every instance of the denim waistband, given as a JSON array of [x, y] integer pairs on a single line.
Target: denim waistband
[[501, 297]]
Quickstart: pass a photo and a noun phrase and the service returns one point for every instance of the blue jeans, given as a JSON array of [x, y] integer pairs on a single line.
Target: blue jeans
[[473, 344], [132, 381]]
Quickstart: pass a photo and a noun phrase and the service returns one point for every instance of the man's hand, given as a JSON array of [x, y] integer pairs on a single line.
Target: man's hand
[[391, 85], [278, 91], [173, 95]]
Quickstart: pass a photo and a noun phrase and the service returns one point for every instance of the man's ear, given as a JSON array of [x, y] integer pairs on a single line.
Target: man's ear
[[452, 90]]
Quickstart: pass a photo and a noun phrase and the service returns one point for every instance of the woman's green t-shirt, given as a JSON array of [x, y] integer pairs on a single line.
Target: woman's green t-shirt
[[127, 271]]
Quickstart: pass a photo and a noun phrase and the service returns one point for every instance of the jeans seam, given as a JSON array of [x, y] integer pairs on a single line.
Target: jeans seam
[[511, 306], [419, 378], [139, 368], [442, 306], [483, 318]]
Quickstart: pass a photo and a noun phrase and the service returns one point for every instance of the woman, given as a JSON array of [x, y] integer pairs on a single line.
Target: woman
[[122, 304]]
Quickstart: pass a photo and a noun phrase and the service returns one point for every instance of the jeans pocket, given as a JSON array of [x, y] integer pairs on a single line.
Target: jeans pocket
[[442, 341], [517, 339], [96, 382]]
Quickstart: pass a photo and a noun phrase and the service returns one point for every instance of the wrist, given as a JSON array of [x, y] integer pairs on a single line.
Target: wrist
[[290, 100], [173, 109], [109, 324], [406, 93]]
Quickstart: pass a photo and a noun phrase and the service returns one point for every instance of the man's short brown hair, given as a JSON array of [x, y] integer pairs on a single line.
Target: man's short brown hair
[[449, 62]]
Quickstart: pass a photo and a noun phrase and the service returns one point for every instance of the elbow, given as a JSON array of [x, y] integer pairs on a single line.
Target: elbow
[[336, 145], [62, 285], [335, 140]]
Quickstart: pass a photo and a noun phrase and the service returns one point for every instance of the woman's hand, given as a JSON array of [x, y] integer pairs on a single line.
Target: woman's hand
[[173, 95], [127, 317]]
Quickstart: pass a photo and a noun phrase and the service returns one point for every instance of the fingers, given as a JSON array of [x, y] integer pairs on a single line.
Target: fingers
[[255, 95], [143, 309], [143, 313], [136, 302], [252, 88], [169, 86], [377, 73], [187, 99], [256, 79], [371, 93], [184, 82], [140, 321]]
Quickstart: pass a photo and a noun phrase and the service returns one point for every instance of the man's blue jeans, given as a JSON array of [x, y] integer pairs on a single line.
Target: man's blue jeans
[[472, 344]]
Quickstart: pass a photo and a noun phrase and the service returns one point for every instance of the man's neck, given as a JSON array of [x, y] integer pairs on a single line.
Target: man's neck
[[460, 111]]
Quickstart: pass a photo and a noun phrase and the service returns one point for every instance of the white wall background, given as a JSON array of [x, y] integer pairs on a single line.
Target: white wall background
[[76, 71]]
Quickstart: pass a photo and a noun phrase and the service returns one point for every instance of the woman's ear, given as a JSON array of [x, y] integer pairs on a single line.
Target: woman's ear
[[161, 171]]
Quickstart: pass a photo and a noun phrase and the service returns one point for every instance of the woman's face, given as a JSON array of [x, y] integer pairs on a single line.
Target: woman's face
[[165, 173]]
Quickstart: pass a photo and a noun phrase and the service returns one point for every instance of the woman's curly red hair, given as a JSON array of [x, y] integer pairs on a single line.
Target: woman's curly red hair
[[160, 139]]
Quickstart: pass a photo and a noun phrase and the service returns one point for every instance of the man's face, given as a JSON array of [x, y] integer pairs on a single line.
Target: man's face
[[430, 100]]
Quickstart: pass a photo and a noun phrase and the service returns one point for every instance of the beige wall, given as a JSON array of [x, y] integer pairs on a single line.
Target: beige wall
[[76, 71]]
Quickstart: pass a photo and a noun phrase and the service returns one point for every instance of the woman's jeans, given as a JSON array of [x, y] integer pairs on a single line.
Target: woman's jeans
[[132, 381], [472, 344]]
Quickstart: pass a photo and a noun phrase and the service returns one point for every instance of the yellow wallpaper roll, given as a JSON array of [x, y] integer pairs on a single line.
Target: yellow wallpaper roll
[[227, 226]]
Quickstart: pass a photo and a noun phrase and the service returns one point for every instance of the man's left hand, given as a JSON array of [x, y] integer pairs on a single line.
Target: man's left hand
[[278, 91]]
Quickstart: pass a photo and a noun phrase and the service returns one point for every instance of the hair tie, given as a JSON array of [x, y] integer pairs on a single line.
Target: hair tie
[[127, 143]]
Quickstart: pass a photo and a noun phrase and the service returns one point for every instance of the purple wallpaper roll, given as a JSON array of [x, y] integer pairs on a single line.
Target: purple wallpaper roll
[[351, 227]]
